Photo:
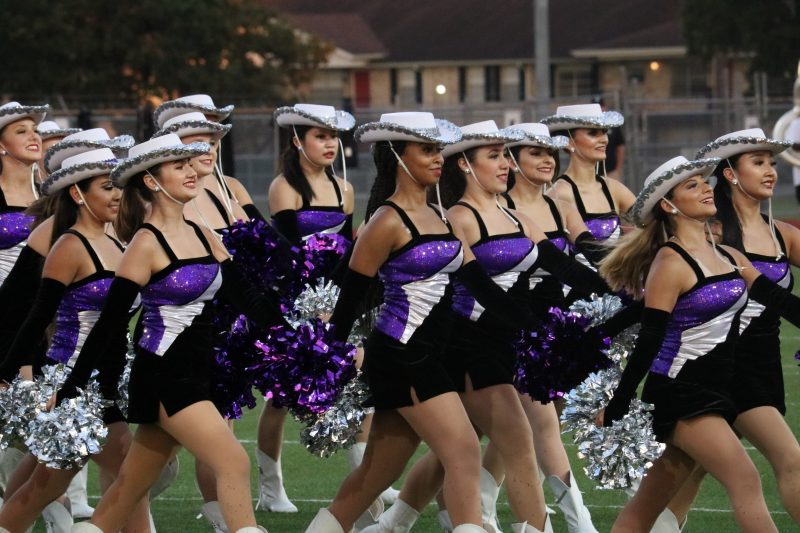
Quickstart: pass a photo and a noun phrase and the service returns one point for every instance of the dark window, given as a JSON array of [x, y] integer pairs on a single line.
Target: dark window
[[393, 85], [462, 84], [491, 83], [418, 86]]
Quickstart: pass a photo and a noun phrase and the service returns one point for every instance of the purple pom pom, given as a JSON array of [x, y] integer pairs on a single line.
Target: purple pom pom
[[267, 259], [554, 358], [324, 251], [304, 369]]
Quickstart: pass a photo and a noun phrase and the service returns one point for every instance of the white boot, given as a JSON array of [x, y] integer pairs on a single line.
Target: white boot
[[369, 517], [272, 496], [444, 520], [354, 457], [77, 494], [57, 518], [469, 528], [667, 522], [399, 518], [324, 522], [166, 478], [570, 501], [212, 512], [525, 527], [86, 527], [489, 491], [547, 508], [252, 529], [152, 522]]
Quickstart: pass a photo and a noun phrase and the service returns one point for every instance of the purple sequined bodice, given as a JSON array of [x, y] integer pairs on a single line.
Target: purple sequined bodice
[[701, 320], [503, 258], [756, 319], [14, 230], [315, 219], [605, 228], [174, 298], [414, 281]]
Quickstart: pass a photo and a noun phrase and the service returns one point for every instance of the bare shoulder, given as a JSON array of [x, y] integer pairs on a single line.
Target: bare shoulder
[[562, 191], [282, 195], [39, 239]]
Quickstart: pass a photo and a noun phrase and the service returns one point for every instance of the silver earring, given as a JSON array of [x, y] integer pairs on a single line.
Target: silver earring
[[735, 181], [674, 211], [157, 189], [80, 202], [571, 150], [467, 171], [3, 152]]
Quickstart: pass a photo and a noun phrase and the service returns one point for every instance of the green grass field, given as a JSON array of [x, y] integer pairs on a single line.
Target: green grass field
[[311, 482]]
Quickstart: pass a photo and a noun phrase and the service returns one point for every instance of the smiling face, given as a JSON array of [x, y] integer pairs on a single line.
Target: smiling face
[[424, 162], [178, 179], [203, 164], [490, 169], [320, 145], [589, 144], [537, 164], [756, 174], [693, 197], [102, 198], [21, 141]]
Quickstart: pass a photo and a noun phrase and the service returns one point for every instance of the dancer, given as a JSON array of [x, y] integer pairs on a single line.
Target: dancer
[[694, 294], [305, 199], [75, 281], [51, 134], [176, 267]]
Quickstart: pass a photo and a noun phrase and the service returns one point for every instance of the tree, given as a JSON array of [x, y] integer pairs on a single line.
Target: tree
[[131, 48], [769, 29]]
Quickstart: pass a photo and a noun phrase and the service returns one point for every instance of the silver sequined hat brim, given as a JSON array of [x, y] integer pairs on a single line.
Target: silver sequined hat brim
[[133, 165], [609, 119], [173, 108], [559, 142], [725, 148], [656, 188], [49, 134], [445, 133], [474, 140], [13, 114], [57, 153], [195, 127], [65, 177], [290, 116]]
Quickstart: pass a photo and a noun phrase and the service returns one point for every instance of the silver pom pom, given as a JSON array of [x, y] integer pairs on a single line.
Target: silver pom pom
[[337, 428], [622, 345], [124, 380], [317, 301], [622, 453], [584, 402], [24, 400], [598, 308], [66, 436]]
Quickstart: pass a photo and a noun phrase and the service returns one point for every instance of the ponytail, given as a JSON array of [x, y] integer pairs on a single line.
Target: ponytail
[[133, 206], [385, 182], [65, 212], [726, 212], [453, 183]]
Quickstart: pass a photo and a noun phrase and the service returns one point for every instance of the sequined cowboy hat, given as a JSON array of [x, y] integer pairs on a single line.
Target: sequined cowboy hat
[[537, 134], [201, 103], [150, 153], [739, 142], [84, 141], [78, 168], [663, 179], [590, 116], [481, 134], [14, 111], [320, 116], [415, 126], [48, 129], [194, 123]]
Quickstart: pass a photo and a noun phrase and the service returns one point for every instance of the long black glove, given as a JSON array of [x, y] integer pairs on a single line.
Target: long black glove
[[19, 289], [252, 211], [110, 330], [353, 288], [625, 318], [33, 329], [651, 336], [263, 308], [286, 223], [592, 249], [776, 299], [568, 270], [494, 299]]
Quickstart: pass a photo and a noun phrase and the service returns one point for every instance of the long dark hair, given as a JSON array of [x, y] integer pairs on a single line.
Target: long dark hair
[[726, 212], [291, 169], [133, 205], [453, 183], [385, 181], [66, 210]]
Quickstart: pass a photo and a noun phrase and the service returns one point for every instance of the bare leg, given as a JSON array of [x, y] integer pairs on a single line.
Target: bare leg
[[204, 475], [681, 503], [550, 450], [423, 482], [270, 430], [766, 429], [21, 474]]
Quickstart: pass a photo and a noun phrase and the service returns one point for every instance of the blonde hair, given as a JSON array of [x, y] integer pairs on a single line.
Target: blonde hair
[[626, 267]]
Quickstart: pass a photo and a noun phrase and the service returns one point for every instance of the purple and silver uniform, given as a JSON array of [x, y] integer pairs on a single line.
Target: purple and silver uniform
[[15, 226]]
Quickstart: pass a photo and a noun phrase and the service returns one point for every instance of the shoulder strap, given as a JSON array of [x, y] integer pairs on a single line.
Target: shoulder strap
[[161, 240], [404, 217], [338, 191], [98, 265], [511, 216], [221, 208], [555, 212], [688, 258], [481, 225], [509, 201], [606, 193], [3, 202], [576, 194], [201, 236], [441, 214], [116, 242], [724, 252]]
